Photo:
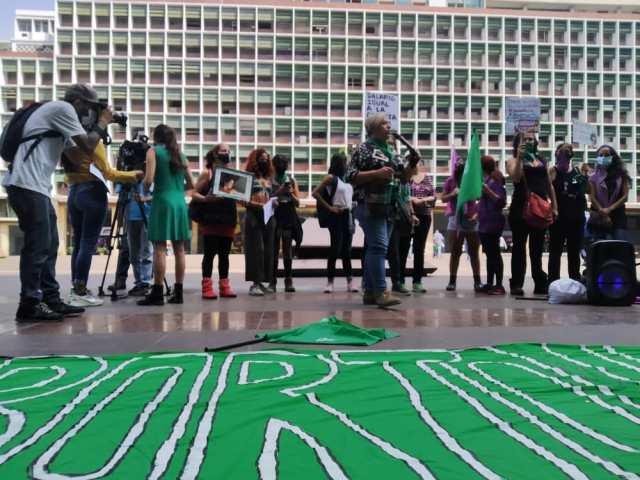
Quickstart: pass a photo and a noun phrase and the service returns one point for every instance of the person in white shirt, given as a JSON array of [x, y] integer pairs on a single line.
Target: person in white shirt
[[336, 197], [28, 186]]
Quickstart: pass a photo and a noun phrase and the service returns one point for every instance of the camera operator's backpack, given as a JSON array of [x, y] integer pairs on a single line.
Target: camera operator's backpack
[[12, 134]]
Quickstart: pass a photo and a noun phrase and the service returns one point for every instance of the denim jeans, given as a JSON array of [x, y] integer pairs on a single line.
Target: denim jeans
[[37, 220], [377, 232], [140, 252], [87, 209]]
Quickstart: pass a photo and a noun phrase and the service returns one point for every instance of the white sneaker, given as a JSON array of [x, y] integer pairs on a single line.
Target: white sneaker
[[256, 291], [87, 300], [351, 288], [328, 288]]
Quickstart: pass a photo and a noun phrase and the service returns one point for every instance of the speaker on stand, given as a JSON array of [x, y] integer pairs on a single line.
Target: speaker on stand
[[611, 273]]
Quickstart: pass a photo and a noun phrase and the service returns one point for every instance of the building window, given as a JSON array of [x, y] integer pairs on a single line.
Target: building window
[[24, 26]]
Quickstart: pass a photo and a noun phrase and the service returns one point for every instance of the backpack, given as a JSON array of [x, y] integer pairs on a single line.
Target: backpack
[[13, 131], [324, 215]]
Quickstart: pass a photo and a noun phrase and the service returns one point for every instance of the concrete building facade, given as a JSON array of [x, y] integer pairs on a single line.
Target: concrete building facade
[[291, 76]]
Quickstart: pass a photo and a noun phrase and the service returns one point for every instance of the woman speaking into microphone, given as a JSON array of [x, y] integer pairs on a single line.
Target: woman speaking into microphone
[[376, 172]]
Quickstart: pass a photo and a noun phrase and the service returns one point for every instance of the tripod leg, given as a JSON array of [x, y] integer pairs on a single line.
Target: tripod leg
[[114, 234]]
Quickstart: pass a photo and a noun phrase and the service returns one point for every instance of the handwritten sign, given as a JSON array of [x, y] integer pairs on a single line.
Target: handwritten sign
[[584, 133], [377, 102], [522, 114]]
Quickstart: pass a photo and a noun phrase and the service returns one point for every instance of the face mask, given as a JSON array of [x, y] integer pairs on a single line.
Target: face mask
[[89, 119], [531, 152], [263, 165], [488, 170], [563, 161], [604, 161], [224, 158]]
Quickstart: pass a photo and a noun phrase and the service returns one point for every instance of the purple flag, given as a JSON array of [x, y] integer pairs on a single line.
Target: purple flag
[[454, 161]]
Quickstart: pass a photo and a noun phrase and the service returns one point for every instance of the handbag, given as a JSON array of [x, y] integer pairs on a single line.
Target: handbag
[[537, 211], [203, 213]]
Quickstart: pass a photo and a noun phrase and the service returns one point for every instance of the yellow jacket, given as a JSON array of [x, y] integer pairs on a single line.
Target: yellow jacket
[[99, 159]]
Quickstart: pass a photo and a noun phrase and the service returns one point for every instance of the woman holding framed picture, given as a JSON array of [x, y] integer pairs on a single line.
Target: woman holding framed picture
[[218, 219]]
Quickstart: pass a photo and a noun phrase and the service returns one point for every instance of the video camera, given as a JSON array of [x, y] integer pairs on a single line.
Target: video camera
[[133, 154], [119, 118]]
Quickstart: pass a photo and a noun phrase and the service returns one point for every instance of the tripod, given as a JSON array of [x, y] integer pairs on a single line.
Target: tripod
[[118, 232]]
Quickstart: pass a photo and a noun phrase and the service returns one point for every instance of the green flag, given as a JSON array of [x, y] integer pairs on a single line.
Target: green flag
[[471, 184], [329, 331]]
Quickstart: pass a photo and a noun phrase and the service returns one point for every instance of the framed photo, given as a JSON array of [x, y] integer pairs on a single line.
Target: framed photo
[[234, 184]]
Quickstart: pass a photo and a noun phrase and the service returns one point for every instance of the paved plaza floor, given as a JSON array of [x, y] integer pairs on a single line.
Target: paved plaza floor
[[437, 319]]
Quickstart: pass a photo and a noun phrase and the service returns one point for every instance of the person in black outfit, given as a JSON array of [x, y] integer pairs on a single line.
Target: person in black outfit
[[528, 173], [285, 189], [570, 187]]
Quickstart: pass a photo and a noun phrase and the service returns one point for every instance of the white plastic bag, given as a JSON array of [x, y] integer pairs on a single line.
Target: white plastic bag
[[567, 291]]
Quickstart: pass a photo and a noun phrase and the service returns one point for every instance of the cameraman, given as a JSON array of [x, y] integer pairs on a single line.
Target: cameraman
[[88, 204], [28, 185], [376, 172]]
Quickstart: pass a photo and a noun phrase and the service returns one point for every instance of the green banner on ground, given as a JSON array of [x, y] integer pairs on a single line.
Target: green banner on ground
[[329, 331], [514, 411]]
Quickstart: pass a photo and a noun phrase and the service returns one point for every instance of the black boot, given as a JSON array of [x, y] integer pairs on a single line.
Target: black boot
[[177, 294], [155, 297], [37, 312], [288, 285]]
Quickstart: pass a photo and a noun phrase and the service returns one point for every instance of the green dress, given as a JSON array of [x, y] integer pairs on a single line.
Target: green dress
[[169, 219]]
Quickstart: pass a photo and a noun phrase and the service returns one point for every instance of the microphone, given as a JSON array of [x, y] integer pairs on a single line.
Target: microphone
[[406, 143]]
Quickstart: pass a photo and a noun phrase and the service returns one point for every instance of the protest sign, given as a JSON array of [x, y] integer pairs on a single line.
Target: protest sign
[[584, 133], [377, 102], [522, 114]]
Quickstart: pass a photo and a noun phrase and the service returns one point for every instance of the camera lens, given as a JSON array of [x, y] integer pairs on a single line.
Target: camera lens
[[120, 119]]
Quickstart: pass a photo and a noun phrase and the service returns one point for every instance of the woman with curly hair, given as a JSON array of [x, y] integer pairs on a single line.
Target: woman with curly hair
[[259, 238], [608, 192]]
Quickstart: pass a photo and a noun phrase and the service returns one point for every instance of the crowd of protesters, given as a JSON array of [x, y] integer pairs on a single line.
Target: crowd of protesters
[[391, 198]]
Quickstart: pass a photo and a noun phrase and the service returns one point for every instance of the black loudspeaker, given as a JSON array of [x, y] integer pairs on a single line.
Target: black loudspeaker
[[611, 273]]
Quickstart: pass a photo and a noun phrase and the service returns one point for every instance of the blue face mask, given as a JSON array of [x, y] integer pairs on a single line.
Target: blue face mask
[[604, 161]]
